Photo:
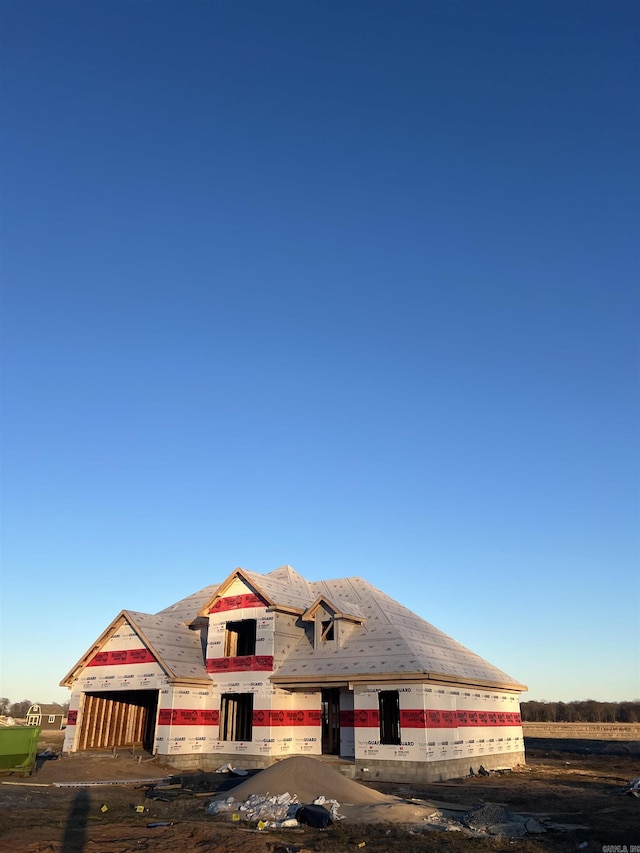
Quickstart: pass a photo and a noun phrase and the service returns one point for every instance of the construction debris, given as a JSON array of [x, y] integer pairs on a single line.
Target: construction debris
[[282, 810], [486, 820], [48, 755], [235, 771], [302, 790], [491, 819], [137, 782]]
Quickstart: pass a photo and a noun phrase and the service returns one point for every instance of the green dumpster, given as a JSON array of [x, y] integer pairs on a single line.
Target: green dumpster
[[18, 748]]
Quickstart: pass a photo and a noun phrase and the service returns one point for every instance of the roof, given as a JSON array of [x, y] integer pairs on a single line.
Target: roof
[[282, 589], [187, 609], [383, 639], [392, 641], [341, 609], [177, 648]]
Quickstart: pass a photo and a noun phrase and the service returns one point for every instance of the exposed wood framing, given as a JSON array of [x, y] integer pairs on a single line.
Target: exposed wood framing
[[109, 720]]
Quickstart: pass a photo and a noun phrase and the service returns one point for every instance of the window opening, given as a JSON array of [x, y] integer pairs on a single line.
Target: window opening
[[236, 716], [328, 631], [240, 638], [52, 718], [389, 712]]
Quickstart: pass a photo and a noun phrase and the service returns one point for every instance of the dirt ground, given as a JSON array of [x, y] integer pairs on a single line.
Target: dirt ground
[[570, 782]]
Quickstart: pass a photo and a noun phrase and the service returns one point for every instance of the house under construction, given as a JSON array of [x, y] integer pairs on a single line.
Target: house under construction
[[261, 667]]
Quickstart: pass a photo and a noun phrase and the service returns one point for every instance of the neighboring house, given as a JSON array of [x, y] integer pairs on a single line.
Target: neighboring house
[[261, 667], [48, 717]]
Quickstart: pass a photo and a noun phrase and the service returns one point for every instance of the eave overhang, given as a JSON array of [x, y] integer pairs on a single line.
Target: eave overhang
[[389, 677]]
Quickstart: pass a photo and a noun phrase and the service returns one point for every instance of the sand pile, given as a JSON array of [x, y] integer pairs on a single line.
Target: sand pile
[[307, 778]]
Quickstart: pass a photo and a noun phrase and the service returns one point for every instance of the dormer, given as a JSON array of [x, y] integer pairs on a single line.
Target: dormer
[[332, 625], [236, 615]]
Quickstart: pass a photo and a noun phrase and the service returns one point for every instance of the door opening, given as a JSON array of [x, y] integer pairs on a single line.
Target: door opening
[[331, 721]]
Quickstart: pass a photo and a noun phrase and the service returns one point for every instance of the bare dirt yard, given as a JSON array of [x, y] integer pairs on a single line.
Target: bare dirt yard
[[97, 803]]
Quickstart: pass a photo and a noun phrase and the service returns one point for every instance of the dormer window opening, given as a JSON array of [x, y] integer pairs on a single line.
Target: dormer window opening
[[328, 630], [240, 638]]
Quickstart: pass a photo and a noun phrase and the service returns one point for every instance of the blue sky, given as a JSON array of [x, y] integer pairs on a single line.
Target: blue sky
[[349, 285]]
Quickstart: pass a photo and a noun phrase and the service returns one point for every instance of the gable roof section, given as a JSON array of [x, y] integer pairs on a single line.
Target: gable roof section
[[282, 589], [388, 640], [341, 609], [392, 643], [177, 649]]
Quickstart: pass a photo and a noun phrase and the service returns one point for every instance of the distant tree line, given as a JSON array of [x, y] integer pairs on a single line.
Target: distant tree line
[[584, 711], [18, 710]]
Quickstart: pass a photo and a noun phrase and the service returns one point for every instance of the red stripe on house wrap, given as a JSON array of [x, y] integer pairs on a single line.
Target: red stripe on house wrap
[[287, 718], [188, 717], [72, 718], [432, 719], [245, 663], [237, 602], [124, 657], [366, 719]]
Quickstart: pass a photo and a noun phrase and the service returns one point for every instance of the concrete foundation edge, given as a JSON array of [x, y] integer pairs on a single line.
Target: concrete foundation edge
[[435, 771], [364, 770]]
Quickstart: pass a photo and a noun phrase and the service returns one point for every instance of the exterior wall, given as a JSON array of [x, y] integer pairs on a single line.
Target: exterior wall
[[123, 663], [187, 722], [283, 723], [440, 725], [70, 732]]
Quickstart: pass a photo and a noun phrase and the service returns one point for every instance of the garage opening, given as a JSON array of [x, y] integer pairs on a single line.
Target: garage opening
[[125, 718]]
